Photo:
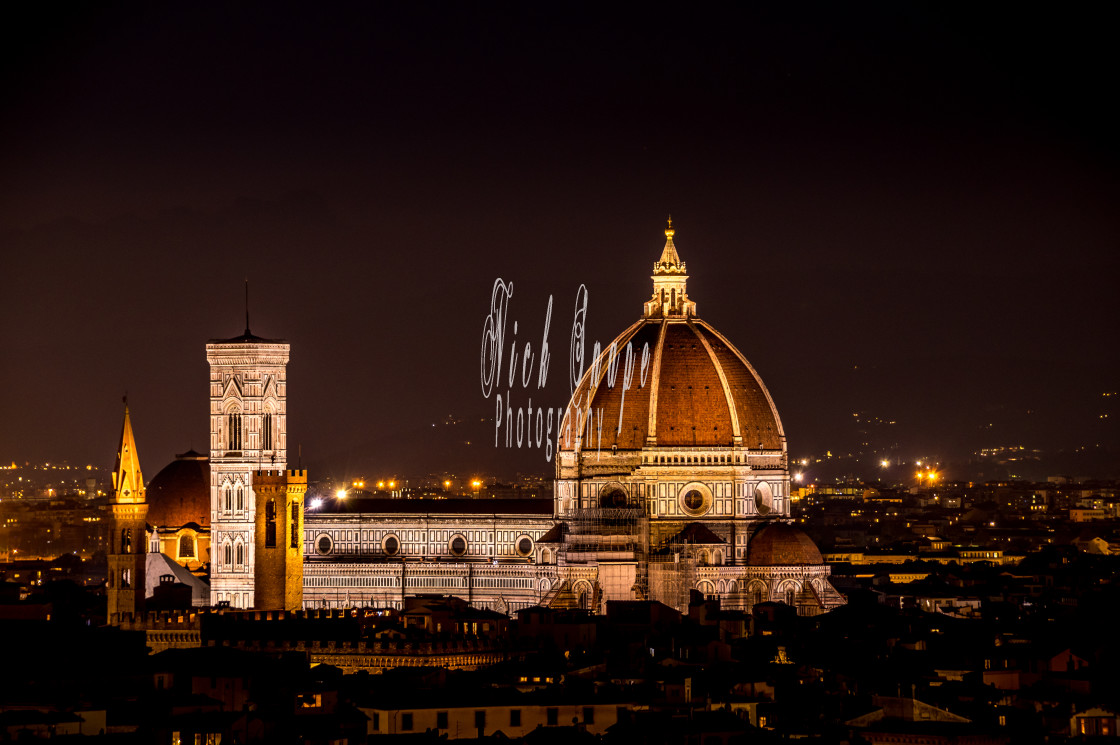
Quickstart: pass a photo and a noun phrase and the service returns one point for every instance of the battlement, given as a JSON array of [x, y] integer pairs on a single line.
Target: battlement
[[279, 477]]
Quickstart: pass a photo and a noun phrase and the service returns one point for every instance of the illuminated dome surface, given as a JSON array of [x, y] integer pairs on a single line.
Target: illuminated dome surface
[[779, 544], [698, 390], [180, 493], [699, 381]]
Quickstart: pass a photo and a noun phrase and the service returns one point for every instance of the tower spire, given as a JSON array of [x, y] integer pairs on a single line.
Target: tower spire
[[128, 536], [128, 480], [247, 307]]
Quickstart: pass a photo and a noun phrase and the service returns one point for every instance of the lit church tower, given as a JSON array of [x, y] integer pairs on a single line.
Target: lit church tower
[[128, 514], [248, 426]]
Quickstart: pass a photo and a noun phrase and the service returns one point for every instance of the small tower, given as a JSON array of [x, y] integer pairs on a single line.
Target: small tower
[[128, 513], [278, 566], [670, 298]]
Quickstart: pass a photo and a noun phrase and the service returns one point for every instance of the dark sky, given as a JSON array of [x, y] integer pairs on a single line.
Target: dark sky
[[907, 213]]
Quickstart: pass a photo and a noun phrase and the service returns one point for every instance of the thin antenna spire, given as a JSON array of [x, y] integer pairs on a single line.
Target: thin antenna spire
[[247, 307], [299, 461]]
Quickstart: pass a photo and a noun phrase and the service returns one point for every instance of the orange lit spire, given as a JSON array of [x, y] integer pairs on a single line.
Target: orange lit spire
[[128, 481]]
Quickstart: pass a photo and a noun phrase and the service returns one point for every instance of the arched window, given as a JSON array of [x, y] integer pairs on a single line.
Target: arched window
[[270, 524], [229, 498], [266, 431], [240, 498], [763, 499], [126, 578], [233, 435], [791, 593], [186, 547], [228, 554], [240, 553], [126, 540]]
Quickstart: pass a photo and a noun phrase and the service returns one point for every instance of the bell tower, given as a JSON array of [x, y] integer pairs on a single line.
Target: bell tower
[[128, 513], [248, 432]]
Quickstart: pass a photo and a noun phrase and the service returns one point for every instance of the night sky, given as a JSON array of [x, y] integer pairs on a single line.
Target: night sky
[[903, 213]]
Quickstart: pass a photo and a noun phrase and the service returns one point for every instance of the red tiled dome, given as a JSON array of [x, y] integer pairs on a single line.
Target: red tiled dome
[[180, 493], [707, 393], [779, 544]]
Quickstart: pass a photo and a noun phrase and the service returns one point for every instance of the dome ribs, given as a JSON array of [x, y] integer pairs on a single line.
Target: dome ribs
[[758, 417], [736, 434], [691, 405], [633, 405]]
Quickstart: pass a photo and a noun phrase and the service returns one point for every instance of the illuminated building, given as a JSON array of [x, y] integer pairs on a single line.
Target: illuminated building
[[686, 487]]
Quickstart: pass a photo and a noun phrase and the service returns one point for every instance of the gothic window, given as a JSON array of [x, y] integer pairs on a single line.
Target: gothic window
[[228, 554], [126, 541], [790, 595], [240, 552], [186, 547], [229, 498], [266, 432], [270, 524], [240, 499], [234, 431], [126, 578], [295, 525]]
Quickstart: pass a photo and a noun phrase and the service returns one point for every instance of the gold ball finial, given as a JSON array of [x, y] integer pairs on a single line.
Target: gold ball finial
[[669, 232]]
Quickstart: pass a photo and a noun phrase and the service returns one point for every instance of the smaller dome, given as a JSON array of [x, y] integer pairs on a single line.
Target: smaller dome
[[779, 544], [180, 493]]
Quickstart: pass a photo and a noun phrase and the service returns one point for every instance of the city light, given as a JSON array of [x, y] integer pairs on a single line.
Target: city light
[[446, 484], [392, 484], [885, 463], [316, 503], [340, 494]]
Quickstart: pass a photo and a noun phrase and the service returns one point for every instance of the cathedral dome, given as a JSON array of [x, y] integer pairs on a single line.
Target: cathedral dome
[[701, 389], [779, 544], [180, 493]]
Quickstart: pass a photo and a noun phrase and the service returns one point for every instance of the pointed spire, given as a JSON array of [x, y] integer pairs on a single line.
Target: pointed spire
[[669, 257], [247, 332], [128, 481]]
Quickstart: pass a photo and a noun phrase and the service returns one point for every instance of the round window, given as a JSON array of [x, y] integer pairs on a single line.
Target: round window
[[324, 544], [392, 545], [693, 501], [458, 545], [525, 546], [613, 498]]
